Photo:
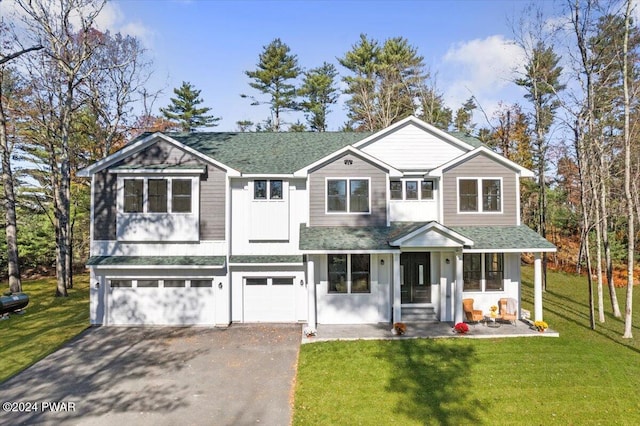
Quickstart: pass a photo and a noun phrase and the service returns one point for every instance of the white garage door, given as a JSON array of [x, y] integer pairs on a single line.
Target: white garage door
[[160, 302], [269, 299]]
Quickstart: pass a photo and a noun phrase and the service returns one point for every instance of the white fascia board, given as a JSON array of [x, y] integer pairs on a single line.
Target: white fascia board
[[263, 265], [443, 229], [157, 171], [350, 251], [267, 176], [416, 121], [139, 146], [511, 250], [349, 148], [522, 171]]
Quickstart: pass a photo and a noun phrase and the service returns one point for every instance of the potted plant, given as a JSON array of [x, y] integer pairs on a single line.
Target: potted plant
[[493, 311], [399, 328], [541, 326], [461, 328]]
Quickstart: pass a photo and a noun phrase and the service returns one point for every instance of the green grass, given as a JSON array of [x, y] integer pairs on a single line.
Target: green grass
[[47, 323], [583, 377]]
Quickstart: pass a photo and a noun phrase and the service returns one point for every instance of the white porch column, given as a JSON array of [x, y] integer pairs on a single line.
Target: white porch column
[[397, 314], [537, 287], [311, 295], [457, 301]]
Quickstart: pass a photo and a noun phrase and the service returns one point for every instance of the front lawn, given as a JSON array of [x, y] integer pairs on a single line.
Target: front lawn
[[583, 377], [47, 323]]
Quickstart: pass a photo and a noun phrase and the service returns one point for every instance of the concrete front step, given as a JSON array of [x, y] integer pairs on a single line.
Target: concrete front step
[[419, 314]]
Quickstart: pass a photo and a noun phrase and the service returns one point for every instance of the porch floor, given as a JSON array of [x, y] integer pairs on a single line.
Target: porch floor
[[382, 331]]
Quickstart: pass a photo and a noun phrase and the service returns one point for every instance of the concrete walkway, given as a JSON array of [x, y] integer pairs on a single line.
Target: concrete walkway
[[326, 332], [240, 375]]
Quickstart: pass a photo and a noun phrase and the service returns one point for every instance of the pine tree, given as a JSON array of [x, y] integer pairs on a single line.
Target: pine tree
[[319, 92], [276, 69], [463, 121], [184, 109]]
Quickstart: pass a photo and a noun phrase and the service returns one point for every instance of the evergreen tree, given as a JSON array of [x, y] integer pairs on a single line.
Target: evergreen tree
[[433, 110], [184, 109], [464, 116], [276, 69], [319, 92]]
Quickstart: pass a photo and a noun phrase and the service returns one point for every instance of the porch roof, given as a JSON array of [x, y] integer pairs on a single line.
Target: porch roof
[[377, 238]]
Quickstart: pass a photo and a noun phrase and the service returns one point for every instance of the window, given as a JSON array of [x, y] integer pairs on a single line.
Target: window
[[360, 273], [181, 195], [275, 191], [201, 283], [259, 189], [356, 201], [426, 188], [120, 283], [494, 271], [395, 187], [157, 195], [489, 190], [349, 273], [483, 271], [411, 190], [472, 271], [491, 195], [267, 190], [147, 283], [282, 281], [174, 283], [468, 195], [133, 195], [337, 273]]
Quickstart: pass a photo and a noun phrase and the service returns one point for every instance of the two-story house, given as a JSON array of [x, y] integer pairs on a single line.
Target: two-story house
[[335, 228]]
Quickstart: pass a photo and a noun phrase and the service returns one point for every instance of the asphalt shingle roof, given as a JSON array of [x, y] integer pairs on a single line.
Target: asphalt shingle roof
[[257, 259], [329, 238], [156, 261]]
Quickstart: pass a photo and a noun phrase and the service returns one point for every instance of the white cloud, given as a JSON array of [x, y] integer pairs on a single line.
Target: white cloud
[[483, 68]]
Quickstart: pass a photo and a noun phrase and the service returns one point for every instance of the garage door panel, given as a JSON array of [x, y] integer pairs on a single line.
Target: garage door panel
[[269, 302], [161, 306]]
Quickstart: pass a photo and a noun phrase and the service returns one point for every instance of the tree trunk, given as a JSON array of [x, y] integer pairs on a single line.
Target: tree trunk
[[627, 178], [11, 230]]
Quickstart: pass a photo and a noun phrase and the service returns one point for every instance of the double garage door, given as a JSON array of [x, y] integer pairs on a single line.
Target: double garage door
[[152, 301]]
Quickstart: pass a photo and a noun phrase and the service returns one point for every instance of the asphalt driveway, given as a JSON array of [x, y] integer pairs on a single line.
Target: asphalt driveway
[[160, 376]]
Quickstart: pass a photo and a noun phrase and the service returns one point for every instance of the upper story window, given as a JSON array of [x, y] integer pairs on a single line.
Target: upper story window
[[267, 190], [157, 195], [480, 195], [411, 189], [348, 196]]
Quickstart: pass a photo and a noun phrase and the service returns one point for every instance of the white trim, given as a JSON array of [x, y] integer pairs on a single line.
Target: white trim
[[141, 144], [164, 172], [156, 267], [267, 176], [263, 265], [464, 241], [518, 218], [195, 195], [480, 199], [511, 250], [305, 170], [483, 274], [347, 195], [418, 179], [343, 251], [524, 172], [419, 123]]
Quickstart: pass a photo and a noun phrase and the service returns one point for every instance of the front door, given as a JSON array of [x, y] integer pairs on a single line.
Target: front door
[[415, 277]]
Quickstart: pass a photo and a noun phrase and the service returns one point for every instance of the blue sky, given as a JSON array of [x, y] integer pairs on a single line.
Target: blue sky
[[467, 44]]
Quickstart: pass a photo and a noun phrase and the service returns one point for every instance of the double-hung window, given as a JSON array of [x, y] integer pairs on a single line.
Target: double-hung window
[[349, 273], [133, 195], [348, 196], [480, 195], [483, 271]]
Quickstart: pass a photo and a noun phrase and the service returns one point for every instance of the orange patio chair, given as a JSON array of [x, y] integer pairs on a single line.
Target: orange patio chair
[[472, 315], [509, 310]]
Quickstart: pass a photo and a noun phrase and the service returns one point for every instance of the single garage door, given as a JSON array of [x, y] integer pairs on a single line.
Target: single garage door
[[155, 301], [270, 299]]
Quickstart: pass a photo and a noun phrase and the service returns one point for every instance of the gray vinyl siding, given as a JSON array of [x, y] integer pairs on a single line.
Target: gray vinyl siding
[[104, 199], [212, 191], [359, 168], [479, 166], [212, 205]]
